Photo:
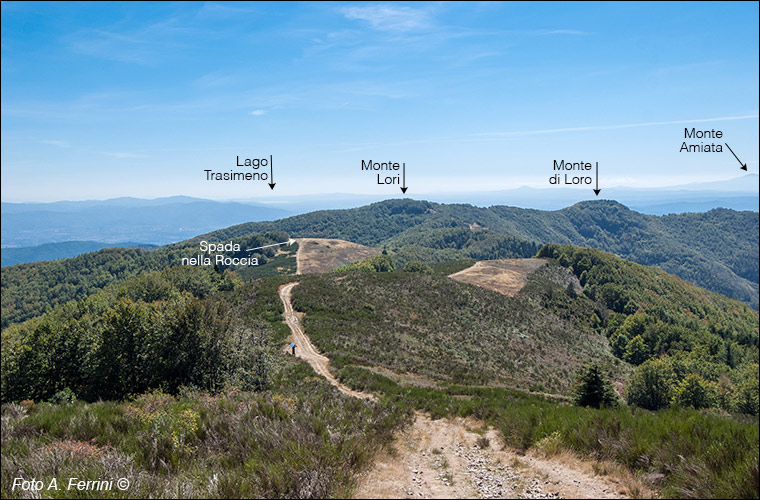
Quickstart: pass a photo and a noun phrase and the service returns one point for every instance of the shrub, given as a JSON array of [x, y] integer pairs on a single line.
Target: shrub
[[417, 267], [747, 391], [637, 351], [693, 392], [618, 343], [64, 396], [551, 445]]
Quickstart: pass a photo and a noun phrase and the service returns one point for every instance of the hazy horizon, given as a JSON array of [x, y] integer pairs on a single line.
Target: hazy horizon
[[275, 198]]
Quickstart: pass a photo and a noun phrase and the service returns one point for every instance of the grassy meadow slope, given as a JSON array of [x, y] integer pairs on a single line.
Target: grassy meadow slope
[[432, 326], [586, 305]]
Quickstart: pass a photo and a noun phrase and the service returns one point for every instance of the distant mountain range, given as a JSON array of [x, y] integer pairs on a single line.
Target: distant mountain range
[[167, 220], [740, 193], [157, 222]]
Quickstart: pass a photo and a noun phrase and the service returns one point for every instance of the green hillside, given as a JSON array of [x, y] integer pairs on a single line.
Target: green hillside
[[446, 244], [716, 250], [432, 326], [427, 325], [29, 290], [672, 330], [178, 375], [62, 250], [587, 306]]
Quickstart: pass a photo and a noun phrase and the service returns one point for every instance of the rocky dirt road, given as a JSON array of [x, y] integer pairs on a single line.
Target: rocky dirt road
[[458, 458]]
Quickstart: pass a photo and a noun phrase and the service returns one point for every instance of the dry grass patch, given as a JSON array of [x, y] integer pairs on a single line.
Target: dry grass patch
[[318, 255], [507, 276]]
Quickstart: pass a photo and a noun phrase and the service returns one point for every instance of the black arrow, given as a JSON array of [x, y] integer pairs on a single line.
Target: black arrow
[[744, 165], [271, 173], [596, 191], [403, 188]]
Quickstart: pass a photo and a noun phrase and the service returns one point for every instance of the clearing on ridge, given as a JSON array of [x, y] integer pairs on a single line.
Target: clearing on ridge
[[507, 276], [319, 255]]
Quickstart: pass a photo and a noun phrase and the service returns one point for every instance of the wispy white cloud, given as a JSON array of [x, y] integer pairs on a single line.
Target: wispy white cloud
[[387, 17], [113, 46], [216, 80], [87, 106], [145, 44], [60, 144], [592, 128], [121, 155], [257, 112], [217, 9], [322, 42], [561, 32]]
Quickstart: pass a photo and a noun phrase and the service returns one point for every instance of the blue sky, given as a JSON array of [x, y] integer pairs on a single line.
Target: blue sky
[[118, 99]]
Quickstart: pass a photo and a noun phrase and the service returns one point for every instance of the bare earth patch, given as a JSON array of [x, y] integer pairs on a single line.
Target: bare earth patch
[[318, 255], [505, 276]]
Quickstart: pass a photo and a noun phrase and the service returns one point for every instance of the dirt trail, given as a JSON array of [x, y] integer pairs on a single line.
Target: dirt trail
[[306, 350], [444, 459]]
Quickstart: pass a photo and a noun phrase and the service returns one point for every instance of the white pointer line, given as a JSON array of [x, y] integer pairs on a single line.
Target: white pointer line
[[289, 242]]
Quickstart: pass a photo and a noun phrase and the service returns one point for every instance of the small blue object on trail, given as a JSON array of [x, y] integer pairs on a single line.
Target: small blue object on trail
[[291, 345]]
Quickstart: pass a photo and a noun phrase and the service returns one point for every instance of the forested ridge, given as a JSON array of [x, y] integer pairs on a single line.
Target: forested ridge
[[63, 250], [690, 346], [160, 330], [716, 250], [29, 290]]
